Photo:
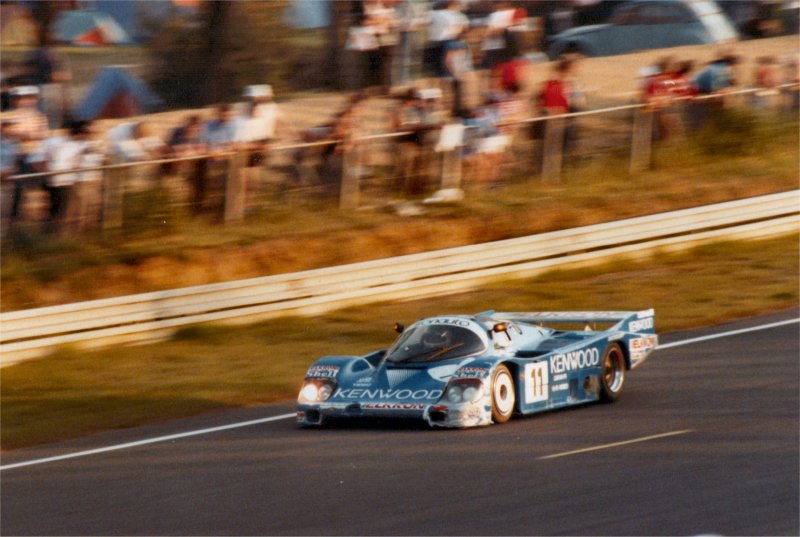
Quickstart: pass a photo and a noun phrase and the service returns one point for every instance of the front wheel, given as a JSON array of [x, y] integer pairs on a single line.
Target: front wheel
[[503, 395], [612, 375]]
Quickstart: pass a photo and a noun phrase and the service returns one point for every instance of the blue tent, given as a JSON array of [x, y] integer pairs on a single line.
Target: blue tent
[[117, 93], [89, 27]]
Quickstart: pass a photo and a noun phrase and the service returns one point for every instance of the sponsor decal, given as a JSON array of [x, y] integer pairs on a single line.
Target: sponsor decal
[[366, 381], [644, 343], [393, 406], [472, 373], [415, 395], [448, 321], [574, 360], [322, 371], [564, 386], [642, 324]]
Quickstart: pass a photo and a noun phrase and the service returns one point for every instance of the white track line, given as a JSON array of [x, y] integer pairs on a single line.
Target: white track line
[[727, 334], [149, 441], [616, 444], [288, 416]]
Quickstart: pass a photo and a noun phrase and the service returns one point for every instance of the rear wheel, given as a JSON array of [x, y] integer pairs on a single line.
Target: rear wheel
[[612, 374], [503, 395]]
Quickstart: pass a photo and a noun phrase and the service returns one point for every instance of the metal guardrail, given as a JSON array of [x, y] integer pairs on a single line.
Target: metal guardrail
[[31, 333]]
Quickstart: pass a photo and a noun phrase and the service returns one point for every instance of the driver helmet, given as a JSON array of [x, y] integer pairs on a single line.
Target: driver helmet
[[436, 337]]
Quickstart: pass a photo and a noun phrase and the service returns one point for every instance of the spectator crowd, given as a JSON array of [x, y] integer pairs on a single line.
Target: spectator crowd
[[475, 75]]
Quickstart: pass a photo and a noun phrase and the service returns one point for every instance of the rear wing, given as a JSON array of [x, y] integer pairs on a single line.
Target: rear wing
[[630, 321]]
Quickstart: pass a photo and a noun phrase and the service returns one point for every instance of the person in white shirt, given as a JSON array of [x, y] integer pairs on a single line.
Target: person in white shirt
[[61, 153], [256, 129]]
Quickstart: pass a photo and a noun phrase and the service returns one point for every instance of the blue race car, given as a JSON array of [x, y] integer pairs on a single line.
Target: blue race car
[[470, 370]]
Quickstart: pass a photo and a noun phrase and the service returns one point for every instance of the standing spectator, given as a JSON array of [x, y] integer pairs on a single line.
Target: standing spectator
[[411, 16], [714, 80], [495, 44], [766, 80], [682, 90], [49, 72], [420, 115], [9, 159], [559, 96], [457, 68], [87, 189], [444, 24], [658, 97], [790, 78], [380, 18], [29, 128], [219, 136], [256, 129], [60, 153], [189, 140], [131, 142]]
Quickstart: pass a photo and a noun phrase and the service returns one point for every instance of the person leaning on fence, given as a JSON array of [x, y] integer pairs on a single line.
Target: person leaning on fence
[[189, 140], [255, 129], [714, 80], [218, 136], [420, 116], [556, 97], [61, 152], [29, 128], [766, 80]]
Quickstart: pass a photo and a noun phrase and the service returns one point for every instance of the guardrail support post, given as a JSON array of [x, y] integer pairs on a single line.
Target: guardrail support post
[[112, 196], [451, 169], [642, 140], [235, 189], [350, 192], [553, 150]]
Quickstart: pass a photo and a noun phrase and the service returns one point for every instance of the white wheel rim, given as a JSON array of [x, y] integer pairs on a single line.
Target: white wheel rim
[[503, 394]]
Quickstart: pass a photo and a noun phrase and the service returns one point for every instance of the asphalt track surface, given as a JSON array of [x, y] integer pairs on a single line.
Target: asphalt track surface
[[704, 440]]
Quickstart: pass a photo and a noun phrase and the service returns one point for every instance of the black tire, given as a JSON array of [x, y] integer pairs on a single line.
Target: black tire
[[612, 373], [504, 398]]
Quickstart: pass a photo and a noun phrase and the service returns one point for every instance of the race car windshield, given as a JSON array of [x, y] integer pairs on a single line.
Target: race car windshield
[[435, 342]]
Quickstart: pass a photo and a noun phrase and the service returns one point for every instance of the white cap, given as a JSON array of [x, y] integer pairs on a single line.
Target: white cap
[[25, 91], [258, 91], [429, 94]]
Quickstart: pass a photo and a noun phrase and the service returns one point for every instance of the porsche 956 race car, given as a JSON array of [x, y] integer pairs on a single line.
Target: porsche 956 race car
[[470, 370]]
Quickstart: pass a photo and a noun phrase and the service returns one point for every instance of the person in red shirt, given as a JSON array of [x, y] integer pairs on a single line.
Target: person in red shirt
[[556, 98]]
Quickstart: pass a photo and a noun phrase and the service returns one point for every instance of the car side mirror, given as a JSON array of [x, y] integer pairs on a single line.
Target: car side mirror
[[398, 327]]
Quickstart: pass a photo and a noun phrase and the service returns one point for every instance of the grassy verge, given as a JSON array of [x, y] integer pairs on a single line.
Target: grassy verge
[[205, 367], [161, 249]]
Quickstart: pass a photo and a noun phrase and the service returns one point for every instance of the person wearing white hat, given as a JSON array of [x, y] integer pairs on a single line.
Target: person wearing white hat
[[29, 127], [257, 128]]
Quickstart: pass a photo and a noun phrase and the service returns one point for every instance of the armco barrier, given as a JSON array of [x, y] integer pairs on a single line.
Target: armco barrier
[[30, 333]]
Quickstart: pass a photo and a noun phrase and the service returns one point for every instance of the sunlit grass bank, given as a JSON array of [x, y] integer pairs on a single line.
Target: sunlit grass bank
[[161, 248], [207, 367]]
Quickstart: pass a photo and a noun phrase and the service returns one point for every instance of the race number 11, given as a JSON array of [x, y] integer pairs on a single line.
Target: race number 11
[[537, 382]]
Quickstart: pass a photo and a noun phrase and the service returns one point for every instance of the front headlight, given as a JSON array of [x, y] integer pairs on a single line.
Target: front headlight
[[309, 392], [464, 391], [316, 391]]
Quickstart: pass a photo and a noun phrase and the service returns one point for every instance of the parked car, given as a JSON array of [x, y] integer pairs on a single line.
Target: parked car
[[648, 24]]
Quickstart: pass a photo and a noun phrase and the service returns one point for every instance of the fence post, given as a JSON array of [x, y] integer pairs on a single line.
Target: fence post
[[451, 169], [553, 149], [350, 191], [642, 140], [112, 196], [235, 189]]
